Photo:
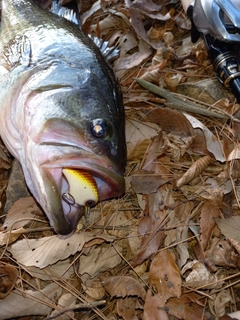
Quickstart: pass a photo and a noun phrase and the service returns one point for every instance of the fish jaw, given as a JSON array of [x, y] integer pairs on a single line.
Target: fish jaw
[[47, 183]]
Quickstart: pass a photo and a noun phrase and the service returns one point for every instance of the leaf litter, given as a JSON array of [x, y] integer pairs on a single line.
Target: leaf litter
[[169, 248]]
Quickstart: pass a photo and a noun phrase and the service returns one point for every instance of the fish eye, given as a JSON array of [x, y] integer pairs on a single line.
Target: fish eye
[[100, 128]]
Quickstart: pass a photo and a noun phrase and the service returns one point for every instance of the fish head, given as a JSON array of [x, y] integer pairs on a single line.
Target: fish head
[[73, 124]]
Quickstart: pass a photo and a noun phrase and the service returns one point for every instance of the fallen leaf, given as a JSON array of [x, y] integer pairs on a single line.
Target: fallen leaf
[[183, 308], [67, 300], [220, 302], [123, 286], [213, 145], [59, 269], [221, 254], [8, 237], [138, 138], [230, 227], [99, 259], [8, 277], [94, 289], [194, 171], [21, 212], [209, 212], [144, 182], [29, 302], [128, 308], [197, 275], [48, 250], [164, 283]]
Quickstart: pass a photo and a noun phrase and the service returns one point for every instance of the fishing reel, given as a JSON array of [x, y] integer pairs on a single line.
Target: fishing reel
[[218, 23]]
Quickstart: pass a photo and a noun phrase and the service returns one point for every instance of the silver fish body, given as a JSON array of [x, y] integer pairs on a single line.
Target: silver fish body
[[60, 107]]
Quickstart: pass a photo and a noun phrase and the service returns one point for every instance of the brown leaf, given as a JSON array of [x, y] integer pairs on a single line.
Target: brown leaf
[[165, 282], [123, 286], [153, 309], [220, 254], [4, 165], [175, 123], [209, 212], [8, 277], [194, 171], [144, 182], [20, 213], [127, 308], [165, 278], [149, 227], [230, 227], [183, 308], [198, 275]]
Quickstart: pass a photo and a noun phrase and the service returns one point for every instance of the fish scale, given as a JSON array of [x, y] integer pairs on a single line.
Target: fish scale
[[60, 108]]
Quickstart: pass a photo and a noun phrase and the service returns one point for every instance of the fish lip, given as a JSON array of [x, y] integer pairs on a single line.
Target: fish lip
[[113, 186]]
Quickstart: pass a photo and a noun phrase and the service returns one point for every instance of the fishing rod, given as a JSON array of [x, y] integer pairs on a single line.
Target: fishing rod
[[218, 23]]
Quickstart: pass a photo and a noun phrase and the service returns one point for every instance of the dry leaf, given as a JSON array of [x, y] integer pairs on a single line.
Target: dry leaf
[[8, 237], [60, 269], [209, 212], [144, 182], [151, 225], [183, 308], [197, 275], [21, 212], [123, 286], [127, 308], [48, 250], [220, 302], [8, 277], [233, 316], [230, 227], [182, 212], [196, 168], [133, 60], [220, 254], [67, 300], [99, 259], [164, 283], [164, 275], [138, 138], [94, 289], [150, 230], [213, 145], [29, 302]]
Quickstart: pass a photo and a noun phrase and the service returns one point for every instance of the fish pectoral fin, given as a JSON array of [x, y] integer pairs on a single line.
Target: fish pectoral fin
[[19, 52], [71, 14]]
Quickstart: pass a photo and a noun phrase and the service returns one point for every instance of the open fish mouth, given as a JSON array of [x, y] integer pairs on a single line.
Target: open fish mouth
[[72, 188]]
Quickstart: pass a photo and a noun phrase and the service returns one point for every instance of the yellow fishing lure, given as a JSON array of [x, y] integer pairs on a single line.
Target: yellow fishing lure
[[82, 187]]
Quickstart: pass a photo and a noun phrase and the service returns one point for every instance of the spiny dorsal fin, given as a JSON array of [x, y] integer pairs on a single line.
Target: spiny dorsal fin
[[69, 14], [110, 53]]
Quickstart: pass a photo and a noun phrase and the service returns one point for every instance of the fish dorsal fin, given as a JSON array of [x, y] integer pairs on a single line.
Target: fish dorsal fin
[[67, 13], [109, 53], [71, 14]]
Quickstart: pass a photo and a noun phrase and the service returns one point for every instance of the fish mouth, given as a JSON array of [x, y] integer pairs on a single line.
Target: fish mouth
[[64, 212]]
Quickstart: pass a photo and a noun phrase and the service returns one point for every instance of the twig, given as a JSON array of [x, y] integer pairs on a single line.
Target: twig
[[176, 103], [87, 305]]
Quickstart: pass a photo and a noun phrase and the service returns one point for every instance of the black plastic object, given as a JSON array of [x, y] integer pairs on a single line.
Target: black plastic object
[[224, 56], [225, 59]]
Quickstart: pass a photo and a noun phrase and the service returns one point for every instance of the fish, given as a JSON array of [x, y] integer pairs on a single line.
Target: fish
[[61, 111]]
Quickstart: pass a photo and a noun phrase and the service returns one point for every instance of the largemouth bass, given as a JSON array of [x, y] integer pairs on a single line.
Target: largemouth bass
[[61, 111]]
